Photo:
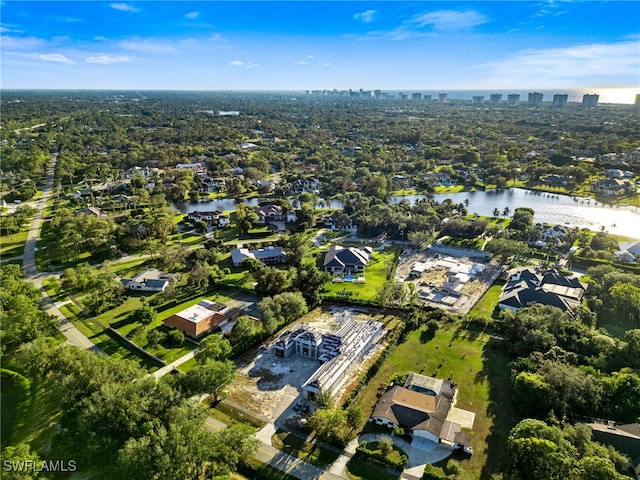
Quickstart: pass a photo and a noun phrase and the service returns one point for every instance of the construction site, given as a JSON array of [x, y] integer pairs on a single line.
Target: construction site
[[449, 278], [322, 354]]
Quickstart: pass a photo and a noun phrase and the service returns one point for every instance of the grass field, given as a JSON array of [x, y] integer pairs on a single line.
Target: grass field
[[486, 306], [299, 448], [482, 377], [357, 470], [13, 245], [37, 421], [375, 277]]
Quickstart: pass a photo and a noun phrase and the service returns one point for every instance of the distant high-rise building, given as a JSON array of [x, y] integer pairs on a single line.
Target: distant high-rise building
[[442, 97], [477, 99], [637, 102], [590, 100], [495, 98], [513, 99], [377, 94], [560, 100], [426, 98], [535, 99], [416, 96], [403, 96]]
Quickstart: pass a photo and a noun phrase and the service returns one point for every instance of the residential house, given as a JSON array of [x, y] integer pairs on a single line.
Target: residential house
[[306, 185], [202, 318], [214, 219], [624, 438], [612, 186], [526, 287], [266, 255], [424, 408], [93, 211], [349, 260], [556, 180], [275, 213], [151, 280], [198, 168]]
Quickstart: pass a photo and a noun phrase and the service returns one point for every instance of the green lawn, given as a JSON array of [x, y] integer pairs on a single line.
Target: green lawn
[[129, 268], [299, 448], [375, 277], [357, 470], [13, 245], [483, 381], [37, 422], [107, 343], [487, 304]]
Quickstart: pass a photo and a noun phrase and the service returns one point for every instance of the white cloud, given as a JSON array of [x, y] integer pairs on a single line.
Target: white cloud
[[192, 15], [56, 57], [124, 7], [302, 62], [450, 20], [326, 64], [148, 46], [365, 17], [599, 63], [430, 24], [241, 64], [107, 59]]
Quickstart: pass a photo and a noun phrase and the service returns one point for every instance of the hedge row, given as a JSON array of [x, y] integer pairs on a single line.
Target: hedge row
[[594, 262], [378, 457]]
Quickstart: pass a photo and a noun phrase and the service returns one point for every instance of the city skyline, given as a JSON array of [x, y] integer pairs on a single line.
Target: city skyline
[[320, 45]]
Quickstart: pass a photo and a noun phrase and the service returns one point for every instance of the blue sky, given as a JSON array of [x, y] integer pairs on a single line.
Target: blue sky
[[316, 45]]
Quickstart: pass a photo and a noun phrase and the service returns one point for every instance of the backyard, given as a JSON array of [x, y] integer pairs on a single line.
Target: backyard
[[482, 378], [376, 274]]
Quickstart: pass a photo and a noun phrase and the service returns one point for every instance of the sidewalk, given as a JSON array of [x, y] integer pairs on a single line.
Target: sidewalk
[[161, 372]]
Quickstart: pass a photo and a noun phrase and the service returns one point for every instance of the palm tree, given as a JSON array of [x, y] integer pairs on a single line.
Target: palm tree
[[496, 212], [506, 212]]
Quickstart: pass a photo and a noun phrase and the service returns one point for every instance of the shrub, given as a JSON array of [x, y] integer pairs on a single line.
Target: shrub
[[175, 338]]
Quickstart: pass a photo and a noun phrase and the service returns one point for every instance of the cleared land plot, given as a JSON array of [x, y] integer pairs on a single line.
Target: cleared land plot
[[482, 377]]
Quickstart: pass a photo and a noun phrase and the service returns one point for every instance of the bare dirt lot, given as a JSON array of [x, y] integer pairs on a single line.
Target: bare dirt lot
[[272, 385]]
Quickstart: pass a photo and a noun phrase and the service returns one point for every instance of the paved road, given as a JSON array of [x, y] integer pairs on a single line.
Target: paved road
[[31, 273]]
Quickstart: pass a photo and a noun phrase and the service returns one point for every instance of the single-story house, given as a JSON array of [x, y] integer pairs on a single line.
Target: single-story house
[[93, 211], [624, 438], [347, 260], [202, 318], [151, 280], [266, 255], [423, 406], [526, 287]]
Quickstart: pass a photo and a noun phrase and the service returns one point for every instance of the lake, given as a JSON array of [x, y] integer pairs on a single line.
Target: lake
[[548, 208]]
